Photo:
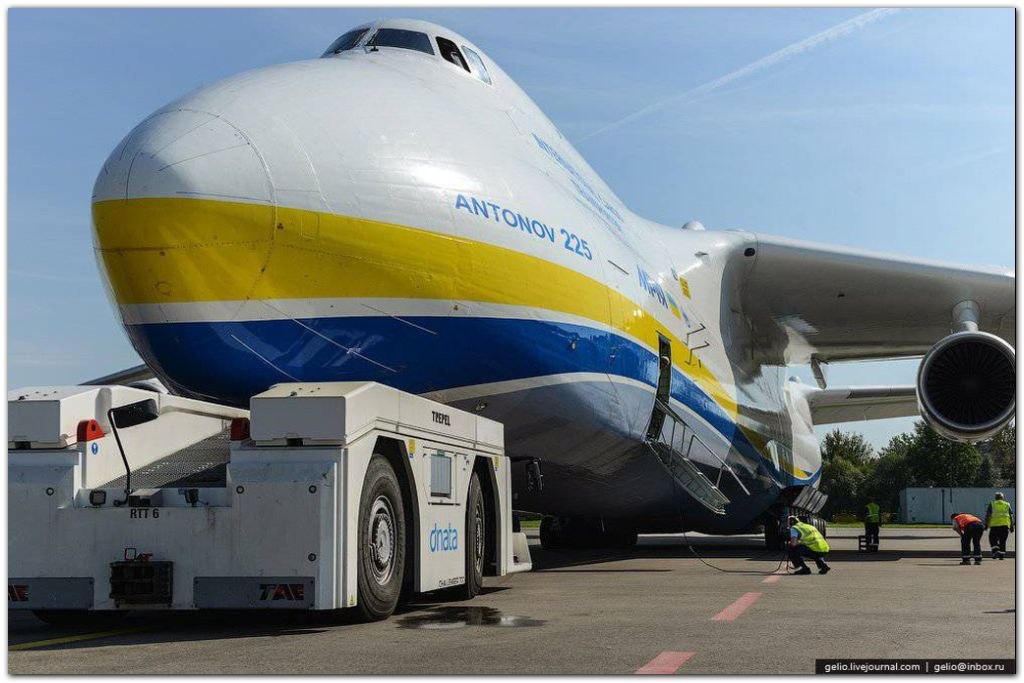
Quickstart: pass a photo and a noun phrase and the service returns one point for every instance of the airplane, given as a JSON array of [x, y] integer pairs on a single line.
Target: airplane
[[399, 210]]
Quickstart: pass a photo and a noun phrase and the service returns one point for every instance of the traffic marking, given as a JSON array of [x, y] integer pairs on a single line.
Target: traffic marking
[[74, 639], [733, 611], [666, 663], [774, 578]]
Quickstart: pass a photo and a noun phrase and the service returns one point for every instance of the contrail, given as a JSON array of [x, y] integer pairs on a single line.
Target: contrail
[[766, 62]]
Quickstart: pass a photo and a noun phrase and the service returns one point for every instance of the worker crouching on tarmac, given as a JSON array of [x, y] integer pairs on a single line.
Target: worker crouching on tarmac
[[999, 520], [806, 541], [970, 529]]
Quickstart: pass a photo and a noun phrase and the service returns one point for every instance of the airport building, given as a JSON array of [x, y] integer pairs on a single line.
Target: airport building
[[929, 505]]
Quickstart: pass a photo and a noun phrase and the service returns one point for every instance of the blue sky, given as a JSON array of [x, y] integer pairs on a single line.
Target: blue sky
[[897, 136]]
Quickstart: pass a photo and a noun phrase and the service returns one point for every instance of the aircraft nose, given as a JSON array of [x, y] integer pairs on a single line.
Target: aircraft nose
[[185, 152], [183, 213]]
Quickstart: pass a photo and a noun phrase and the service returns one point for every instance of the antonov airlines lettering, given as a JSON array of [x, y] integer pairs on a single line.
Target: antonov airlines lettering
[[399, 210]]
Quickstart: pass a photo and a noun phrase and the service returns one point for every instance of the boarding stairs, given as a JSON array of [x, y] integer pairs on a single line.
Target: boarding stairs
[[676, 444]]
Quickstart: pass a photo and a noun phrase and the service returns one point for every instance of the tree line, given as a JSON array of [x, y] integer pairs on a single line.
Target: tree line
[[852, 473]]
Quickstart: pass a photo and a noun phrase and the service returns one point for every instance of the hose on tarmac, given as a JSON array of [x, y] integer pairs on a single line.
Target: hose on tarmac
[[783, 558], [679, 505]]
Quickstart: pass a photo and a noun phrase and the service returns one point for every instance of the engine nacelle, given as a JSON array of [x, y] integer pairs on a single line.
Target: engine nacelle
[[967, 386]]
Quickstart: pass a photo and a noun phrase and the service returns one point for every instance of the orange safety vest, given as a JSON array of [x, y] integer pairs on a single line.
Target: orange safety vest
[[964, 519]]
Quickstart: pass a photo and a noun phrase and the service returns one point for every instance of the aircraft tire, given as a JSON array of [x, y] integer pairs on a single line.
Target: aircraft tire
[[381, 564], [772, 536], [581, 533], [621, 537], [627, 539], [476, 539], [552, 533]]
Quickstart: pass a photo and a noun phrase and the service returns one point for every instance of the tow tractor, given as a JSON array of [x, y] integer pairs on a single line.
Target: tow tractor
[[320, 497]]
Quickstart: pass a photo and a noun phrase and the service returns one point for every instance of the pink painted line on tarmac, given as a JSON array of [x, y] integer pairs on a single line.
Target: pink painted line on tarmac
[[666, 663], [774, 578], [733, 611]]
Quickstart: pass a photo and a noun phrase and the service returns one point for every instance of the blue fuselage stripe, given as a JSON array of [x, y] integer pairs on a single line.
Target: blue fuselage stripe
[[232, 361]]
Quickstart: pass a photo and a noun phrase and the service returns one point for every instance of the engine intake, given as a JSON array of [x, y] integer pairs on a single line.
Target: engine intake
[[967, 386]]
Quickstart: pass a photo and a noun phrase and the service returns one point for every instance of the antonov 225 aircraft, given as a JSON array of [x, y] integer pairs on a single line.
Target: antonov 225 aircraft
[[399, 210]]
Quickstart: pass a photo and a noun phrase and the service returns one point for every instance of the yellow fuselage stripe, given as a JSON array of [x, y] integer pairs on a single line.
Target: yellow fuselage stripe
[[197, 250]]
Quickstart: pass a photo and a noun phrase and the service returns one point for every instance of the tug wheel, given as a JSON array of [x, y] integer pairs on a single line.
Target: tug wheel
[[476, 539], [382, 533]]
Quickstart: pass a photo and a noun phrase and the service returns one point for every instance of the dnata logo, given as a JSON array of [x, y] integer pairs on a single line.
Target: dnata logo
[[444, 539]]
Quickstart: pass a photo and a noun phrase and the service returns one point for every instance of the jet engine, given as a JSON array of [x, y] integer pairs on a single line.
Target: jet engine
[[966, 386]]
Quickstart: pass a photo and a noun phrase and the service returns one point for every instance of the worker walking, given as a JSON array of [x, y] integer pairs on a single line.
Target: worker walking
[[970, 529], [872, 521], [999, 520], [806, 541]]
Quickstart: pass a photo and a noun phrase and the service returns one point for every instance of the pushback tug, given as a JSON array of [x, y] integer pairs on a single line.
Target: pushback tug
[[324, 496]]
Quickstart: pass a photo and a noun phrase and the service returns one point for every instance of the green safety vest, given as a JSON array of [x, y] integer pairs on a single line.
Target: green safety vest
[[874, 514], [1000, 513], [810, 537]]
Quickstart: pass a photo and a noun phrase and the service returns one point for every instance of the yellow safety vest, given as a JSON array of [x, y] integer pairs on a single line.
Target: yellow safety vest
[[1000, 513], [874, 514], [810, 537]]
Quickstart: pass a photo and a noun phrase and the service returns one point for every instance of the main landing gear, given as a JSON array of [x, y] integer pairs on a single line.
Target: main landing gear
[[581, 533], [776, 534]]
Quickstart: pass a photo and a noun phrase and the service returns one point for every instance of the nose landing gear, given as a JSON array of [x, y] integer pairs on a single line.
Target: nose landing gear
[[583, 533]]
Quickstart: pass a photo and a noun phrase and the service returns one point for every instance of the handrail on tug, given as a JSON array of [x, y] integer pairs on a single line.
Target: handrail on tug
[[677, 419]]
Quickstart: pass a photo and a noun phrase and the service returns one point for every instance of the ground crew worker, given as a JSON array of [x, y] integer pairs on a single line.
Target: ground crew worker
[[970, 529], [806, 541], [999, 520], [872, 521]]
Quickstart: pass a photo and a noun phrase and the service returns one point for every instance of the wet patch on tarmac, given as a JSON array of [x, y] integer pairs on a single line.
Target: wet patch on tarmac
[[444, 618]]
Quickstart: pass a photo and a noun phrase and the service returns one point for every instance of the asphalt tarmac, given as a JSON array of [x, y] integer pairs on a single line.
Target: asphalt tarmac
[[654, 609]]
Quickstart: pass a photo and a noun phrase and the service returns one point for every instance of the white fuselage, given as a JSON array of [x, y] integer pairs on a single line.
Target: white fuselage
[[385, 215]]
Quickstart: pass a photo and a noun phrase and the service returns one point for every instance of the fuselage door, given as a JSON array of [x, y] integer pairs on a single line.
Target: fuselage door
[[664, 388]]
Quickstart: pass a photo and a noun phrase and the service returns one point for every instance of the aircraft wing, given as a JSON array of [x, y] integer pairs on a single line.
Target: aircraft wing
[[861, 403], [137, 373], [139, 376], [804, 300]]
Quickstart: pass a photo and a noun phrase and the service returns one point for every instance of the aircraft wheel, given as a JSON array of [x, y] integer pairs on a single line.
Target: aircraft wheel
[[552, 533], [381, 541], [620, 536], [476, 539], [580, 533]]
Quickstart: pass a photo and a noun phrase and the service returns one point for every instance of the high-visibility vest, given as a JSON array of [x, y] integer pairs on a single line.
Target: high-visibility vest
[[963, 519], [1000, 513], [874, 513], [810, 537]]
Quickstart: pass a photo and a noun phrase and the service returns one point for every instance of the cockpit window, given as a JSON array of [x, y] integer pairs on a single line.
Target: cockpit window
[[345, 42], [399, 37], [479, 70], [451, 53]]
